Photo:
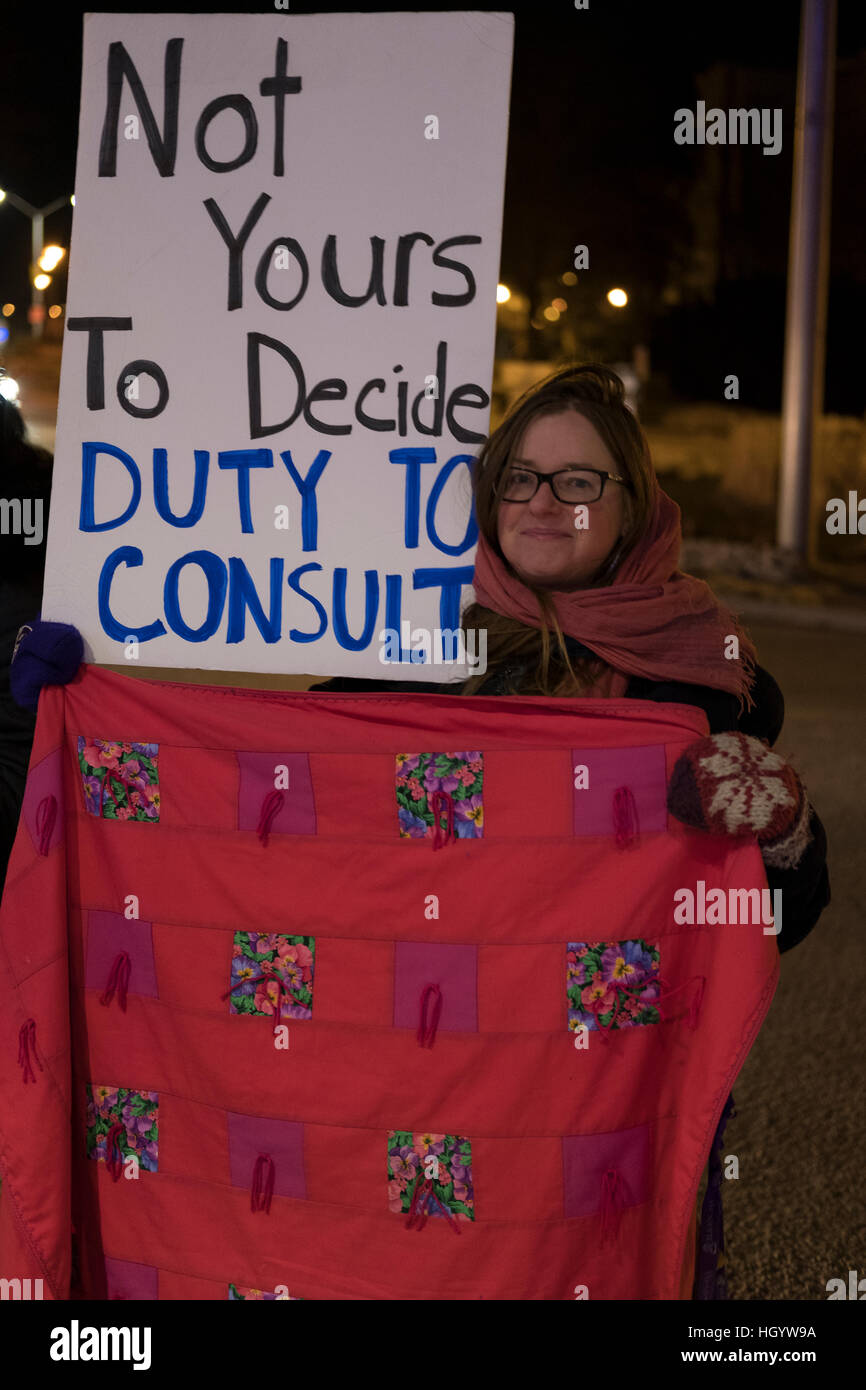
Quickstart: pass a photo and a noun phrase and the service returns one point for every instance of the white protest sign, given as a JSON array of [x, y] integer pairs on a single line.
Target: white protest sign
[[279, 336]]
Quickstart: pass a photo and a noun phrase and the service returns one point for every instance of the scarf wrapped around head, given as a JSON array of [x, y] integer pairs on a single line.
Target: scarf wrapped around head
[[650, 621]]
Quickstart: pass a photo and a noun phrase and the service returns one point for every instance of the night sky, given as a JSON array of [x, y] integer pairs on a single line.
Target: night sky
[[591, 159]]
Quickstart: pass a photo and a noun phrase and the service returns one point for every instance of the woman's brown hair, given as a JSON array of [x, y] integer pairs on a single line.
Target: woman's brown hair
[[597, 393]]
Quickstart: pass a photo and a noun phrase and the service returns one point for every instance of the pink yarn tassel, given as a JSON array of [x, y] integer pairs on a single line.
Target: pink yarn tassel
[[46, 818], [442, 801], [612, 1203], [262, 1192], [271, 807], [427, 1029], [118, 980], [113, 1155], [283, 994], [419, 1210], [26, 1041], [625, 818]]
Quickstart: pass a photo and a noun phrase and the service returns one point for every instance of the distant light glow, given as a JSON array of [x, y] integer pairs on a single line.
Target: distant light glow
[[551, 314], [560, 304], [569, 278], [4, 333], [51, 257], [8, 310], [503, 294], [9, 387], [41, 282], [618, 298], [55, 311]]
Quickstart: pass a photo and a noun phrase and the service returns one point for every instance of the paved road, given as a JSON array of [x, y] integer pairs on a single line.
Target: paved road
[[795, 1217]]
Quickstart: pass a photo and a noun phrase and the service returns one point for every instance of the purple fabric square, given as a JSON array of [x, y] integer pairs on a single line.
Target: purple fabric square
[[586, 1158], [642, 770], [44, 780], [250, 1136], [111, 932], [453, 968], [126, 1280], [297, 815]]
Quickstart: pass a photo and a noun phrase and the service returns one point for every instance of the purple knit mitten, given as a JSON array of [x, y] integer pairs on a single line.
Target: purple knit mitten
[[45, 654]]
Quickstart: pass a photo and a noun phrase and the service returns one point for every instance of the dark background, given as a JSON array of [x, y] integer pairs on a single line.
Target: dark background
[[700, 235]]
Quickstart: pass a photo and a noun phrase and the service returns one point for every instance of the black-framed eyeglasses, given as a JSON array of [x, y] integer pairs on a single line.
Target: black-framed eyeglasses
[[520, 484]]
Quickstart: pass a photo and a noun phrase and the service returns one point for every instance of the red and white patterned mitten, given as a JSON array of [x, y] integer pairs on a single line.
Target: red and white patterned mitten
[[732, 784]]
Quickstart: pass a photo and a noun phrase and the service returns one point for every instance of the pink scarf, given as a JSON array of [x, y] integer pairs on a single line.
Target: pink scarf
[[651, 620]]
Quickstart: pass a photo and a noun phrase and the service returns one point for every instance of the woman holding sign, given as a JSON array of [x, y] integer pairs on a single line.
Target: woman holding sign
[[578, 591]]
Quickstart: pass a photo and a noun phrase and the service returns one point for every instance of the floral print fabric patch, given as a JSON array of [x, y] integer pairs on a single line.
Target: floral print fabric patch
[[612, 984], [136, 1111], [445, 1160], [121, 780], [272, 974], [419, 775], [238, 1292]]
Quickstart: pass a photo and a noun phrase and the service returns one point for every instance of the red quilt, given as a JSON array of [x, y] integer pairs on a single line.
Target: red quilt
[[320, 996]]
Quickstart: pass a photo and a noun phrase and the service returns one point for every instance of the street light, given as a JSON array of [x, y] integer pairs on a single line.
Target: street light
[[618, 298], [37, 248], [51, 257]]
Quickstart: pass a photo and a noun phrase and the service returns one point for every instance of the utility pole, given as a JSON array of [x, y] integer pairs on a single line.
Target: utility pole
[[37, 246], [806, 317]]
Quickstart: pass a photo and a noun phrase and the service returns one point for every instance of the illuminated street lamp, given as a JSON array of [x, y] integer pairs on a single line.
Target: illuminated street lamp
[[8, 387], [37, 236], [51, 258], [618, 298]]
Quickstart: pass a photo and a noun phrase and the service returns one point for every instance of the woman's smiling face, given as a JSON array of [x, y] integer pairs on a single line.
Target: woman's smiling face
[[539, 538]]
